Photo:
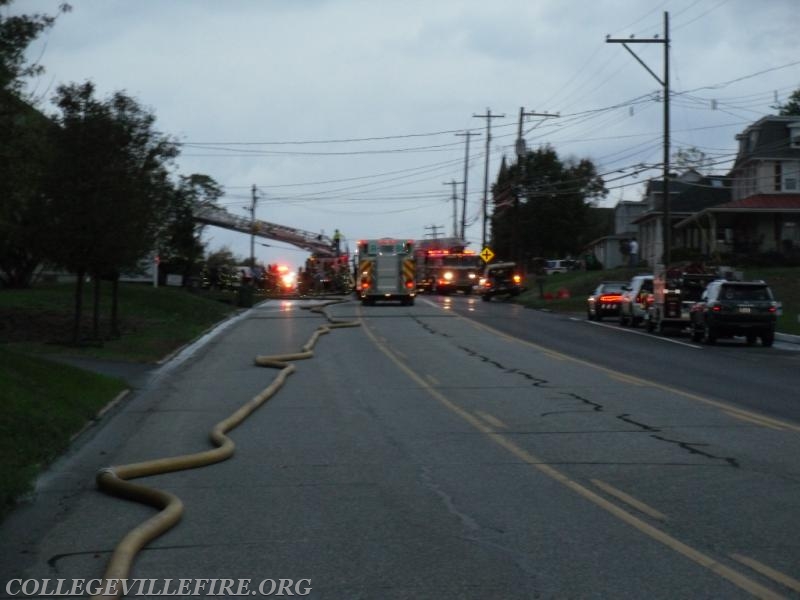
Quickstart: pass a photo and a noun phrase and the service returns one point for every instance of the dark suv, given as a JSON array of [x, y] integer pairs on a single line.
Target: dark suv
[[730, 308], [500, 279]]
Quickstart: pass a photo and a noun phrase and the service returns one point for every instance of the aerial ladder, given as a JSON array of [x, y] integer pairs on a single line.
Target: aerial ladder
[[318, 244]]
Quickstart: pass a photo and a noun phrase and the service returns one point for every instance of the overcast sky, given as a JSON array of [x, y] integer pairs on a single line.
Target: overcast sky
[[343, 113]]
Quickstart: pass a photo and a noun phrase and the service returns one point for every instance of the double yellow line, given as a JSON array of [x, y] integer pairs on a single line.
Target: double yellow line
[[489, 429]]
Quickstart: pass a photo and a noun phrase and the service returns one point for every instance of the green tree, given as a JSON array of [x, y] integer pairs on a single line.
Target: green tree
[[543, 202], [24, 152], [180, 245], [16, 34], [109, 191], [791, 108]]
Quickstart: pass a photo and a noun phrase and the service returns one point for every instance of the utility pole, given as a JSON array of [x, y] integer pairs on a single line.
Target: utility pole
[[253, 227], [488, 116], [435, 231], [455, 207], [667, 230], [521, 150], [467, 135]]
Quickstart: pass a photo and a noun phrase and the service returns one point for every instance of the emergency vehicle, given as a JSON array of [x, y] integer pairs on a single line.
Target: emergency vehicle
[[447, 270], [675, 290], [386, 271]]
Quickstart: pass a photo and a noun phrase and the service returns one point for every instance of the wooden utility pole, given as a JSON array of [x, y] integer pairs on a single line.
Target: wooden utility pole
[[667, 225], [455, 206], [488, 116], [467, 135], [252, 209], [521, 151]]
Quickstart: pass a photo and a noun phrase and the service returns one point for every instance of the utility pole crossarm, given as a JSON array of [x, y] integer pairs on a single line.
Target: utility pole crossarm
[[667, 224]]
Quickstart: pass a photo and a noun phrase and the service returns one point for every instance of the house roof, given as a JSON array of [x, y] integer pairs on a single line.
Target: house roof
[[767, 138], [759, 203], [688, 196], [777, 202]]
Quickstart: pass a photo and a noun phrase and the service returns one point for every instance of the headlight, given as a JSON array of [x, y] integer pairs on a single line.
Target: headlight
[[471, 275], [448, 276]]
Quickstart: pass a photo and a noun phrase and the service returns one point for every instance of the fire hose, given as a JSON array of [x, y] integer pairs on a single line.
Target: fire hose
[[115, 480]]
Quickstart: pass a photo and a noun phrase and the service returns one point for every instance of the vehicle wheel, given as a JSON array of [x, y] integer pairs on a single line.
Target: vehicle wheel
[[697, 334], [709, 335], [635, 321], [650, 325], [751, 339], [767, 339], [589, 316], [598, 317], [623, 320]]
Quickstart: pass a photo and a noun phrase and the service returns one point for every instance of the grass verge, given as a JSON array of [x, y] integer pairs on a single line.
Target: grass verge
[[785, 284], [44, 404], [153, 321]]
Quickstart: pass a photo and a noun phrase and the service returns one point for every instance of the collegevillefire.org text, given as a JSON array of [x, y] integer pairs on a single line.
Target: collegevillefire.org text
[[157, 587]]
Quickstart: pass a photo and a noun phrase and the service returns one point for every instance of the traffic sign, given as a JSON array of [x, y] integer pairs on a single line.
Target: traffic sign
[[487, 254]]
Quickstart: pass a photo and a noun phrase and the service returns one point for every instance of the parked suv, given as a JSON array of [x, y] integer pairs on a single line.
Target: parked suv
[[500, 279], [636, 297], [730, 308]]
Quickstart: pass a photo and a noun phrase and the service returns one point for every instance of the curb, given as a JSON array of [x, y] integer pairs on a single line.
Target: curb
[[91, 422], [787, 338]]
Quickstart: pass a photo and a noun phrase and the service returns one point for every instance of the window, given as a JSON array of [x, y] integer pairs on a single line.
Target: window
[[794, 135], [790, 176]]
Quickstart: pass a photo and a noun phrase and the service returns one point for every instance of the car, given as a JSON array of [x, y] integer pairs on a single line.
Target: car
[[636, 297], [605, 300], [735, 308], [554, 267], [502, 278]]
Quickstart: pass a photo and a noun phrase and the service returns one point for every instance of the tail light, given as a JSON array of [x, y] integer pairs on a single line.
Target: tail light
[[610, 298], [716, 308], [517, 278], [409, 284], [773, 309], [365, 285]]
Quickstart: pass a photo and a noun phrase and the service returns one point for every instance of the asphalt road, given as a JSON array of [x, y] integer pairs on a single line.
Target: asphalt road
[[446, 450]]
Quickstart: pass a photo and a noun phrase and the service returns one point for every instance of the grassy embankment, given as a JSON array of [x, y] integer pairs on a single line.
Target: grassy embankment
[[785, 284], [43, 402]]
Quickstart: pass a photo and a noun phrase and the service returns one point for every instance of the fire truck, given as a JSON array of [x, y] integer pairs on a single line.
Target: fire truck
[[386, 271], [445, 266], [675, 290]]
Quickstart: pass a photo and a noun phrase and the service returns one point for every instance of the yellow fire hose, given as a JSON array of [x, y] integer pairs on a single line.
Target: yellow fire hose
[[115, 480]]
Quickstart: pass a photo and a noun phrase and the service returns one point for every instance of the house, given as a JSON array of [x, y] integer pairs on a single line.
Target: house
[[690, 193], [763, 213], [611, 250]]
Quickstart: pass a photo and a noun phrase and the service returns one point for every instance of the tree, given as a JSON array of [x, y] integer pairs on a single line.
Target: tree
[[692, 158], [544, 203], [24, 152], [16, 34], [792, 106], [109, 190], [180, 245]]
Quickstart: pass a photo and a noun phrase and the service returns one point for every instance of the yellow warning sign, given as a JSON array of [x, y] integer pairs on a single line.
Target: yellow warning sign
[[487, 254]]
